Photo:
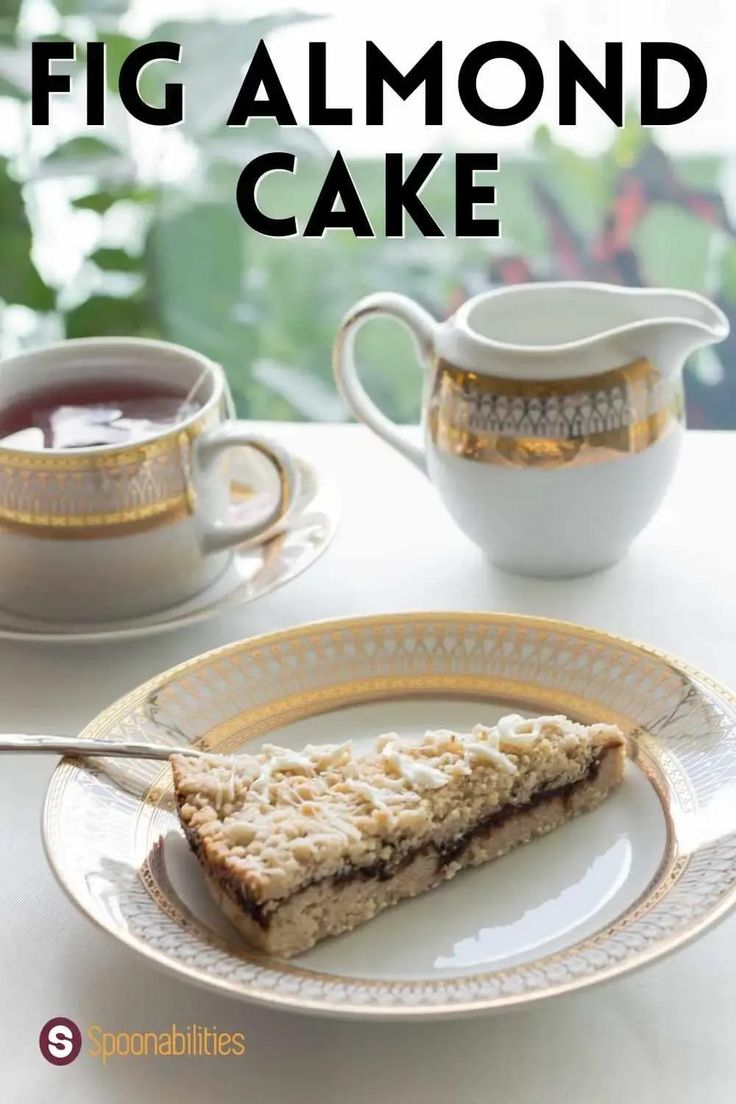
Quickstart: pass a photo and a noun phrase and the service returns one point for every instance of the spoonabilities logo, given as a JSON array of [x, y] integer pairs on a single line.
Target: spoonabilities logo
[[60, 1041]]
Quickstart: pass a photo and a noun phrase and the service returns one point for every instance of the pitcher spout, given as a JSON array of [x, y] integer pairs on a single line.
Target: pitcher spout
[[677, 322], [553, 331]]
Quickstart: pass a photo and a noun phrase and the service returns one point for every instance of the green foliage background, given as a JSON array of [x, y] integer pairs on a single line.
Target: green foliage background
[[173, 259]]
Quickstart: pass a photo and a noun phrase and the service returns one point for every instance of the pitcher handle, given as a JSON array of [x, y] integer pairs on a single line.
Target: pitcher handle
[[423, 329]]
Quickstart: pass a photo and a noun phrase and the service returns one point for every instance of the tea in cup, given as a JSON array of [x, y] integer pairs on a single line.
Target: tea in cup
[[114, 488]]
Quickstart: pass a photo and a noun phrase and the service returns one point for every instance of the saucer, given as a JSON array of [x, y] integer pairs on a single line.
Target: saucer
[[256, 568]]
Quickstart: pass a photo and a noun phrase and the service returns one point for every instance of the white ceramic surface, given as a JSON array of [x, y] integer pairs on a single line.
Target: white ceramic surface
[[558, 460]]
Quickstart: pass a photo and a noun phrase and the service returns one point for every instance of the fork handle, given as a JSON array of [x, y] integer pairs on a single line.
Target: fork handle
[[70, 745]]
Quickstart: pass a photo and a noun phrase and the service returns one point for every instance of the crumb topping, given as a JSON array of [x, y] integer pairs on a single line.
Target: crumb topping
[[280, 818]]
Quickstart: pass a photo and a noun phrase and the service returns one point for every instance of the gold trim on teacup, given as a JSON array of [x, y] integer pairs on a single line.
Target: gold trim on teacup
[[95, 526], [552, 423], [92, 494]]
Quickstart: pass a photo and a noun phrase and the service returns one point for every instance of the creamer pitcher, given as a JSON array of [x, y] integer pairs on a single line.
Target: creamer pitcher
[[552, 413]]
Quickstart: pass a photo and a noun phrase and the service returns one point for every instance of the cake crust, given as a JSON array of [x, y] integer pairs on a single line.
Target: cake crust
[[299, 846]]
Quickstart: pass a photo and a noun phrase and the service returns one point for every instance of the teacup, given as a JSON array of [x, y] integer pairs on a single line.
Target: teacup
[[552, 413], [113, 531]]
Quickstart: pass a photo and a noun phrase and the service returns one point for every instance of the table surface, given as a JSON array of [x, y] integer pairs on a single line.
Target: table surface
[[668, 1032]]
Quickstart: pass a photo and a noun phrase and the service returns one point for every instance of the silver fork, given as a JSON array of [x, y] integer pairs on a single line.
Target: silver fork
[[67, 745]]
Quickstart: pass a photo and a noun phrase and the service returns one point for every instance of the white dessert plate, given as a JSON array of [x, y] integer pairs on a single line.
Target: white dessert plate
[[256, 569], [619, 887]]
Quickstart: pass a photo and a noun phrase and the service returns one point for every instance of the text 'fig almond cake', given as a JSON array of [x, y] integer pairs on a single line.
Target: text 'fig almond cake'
[[299, 845]]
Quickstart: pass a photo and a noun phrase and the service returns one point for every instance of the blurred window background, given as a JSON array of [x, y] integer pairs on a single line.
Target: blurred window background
[[127, 229]]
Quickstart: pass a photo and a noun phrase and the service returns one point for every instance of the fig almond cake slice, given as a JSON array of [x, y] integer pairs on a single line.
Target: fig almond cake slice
[[299, 845]]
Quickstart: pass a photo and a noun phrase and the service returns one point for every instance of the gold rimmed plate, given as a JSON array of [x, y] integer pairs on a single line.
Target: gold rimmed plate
[[611, 891]]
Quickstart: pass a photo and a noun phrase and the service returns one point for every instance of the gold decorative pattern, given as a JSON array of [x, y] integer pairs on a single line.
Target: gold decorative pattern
[[551, 423], [275, 714], [682, 733], [91, 526], [85, 495]]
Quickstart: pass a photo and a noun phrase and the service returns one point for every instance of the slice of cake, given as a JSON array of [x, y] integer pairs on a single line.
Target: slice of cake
[[297, 846]]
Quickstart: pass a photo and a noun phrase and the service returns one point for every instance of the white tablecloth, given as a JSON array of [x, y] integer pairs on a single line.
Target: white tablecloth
[[668, 1033]]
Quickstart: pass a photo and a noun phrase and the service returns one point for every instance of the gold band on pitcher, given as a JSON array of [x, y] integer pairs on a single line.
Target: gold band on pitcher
[[551, 423]]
